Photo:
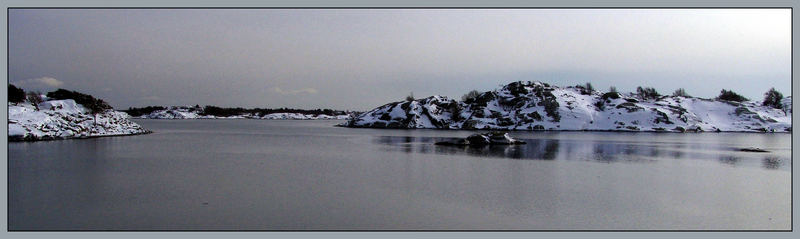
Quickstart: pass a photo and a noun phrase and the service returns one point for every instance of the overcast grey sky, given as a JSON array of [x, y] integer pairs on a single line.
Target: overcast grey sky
[[362, 58]]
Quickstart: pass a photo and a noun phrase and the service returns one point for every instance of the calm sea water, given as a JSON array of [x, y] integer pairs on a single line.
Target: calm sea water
[[307, 175]]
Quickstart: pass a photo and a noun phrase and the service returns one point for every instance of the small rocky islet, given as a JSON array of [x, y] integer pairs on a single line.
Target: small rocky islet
[[491, 138], [539, 106]]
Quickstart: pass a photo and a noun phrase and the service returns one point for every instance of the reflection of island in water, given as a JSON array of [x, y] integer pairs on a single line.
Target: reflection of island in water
[[586, 150]]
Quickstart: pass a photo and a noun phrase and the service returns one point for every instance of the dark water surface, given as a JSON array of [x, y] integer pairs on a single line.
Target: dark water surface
[[306, 175]]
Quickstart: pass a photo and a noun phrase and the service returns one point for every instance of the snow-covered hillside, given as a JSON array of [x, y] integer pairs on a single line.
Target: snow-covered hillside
[[63, 119], [186, 112], [297, 116], [540, 106], [175, 112], [182, 112]]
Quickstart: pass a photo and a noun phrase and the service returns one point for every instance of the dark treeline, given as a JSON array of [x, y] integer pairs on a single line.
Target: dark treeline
[[226, 112], [15, 95], [95, 105], [142, 111]]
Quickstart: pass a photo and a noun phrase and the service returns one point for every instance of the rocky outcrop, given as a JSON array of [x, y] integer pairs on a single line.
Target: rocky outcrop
[[65, 119], [540, 106], [431, 112]]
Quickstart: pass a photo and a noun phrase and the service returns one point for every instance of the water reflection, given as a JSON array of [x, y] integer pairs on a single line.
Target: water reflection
[[771, 162], [534, 149], [730, 160], [588, 150]]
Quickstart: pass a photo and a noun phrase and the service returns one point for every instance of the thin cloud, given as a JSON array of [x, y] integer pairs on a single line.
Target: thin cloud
[[294, 92], [41, 82]]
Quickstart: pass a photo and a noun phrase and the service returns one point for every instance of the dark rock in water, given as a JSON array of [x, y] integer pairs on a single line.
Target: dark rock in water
[[478, 139], [455, 142], [493, 138], [756, 150]]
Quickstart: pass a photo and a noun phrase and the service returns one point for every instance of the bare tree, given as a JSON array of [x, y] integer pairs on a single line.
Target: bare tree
[[470, 95], [589, 87], [729, 95], [680, 92], [35, 98], [773, 98], [647, 93]]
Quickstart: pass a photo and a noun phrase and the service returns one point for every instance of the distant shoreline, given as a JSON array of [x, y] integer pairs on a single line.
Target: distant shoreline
[[192, 112], [29, 139]]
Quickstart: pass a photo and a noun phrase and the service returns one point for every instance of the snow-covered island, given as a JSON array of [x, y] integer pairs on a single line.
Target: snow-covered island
[[65, 119], [196, 112], [540, 106]]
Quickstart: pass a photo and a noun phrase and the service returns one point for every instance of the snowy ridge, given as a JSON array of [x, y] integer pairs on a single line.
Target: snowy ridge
[[174, 112], [182, 112], [63, 119], [297, 116], [539, 106], [187, 112]]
